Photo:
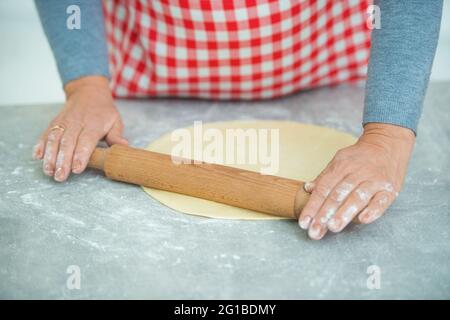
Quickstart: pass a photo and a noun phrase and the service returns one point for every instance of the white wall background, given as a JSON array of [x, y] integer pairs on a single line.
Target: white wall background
[[28, 74]]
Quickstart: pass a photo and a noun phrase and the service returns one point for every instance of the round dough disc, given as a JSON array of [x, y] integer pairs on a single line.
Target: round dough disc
[[304, 149]]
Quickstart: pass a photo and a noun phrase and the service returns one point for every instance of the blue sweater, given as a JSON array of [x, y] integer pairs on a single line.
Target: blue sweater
[[400, 63]]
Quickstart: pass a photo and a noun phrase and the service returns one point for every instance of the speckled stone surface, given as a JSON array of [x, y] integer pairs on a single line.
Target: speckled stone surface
[[128, 245]]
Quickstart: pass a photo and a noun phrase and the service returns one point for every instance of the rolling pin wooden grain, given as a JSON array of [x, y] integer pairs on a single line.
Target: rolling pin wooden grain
[[236, 187]]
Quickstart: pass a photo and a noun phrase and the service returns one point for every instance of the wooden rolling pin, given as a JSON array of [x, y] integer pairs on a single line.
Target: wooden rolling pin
[[236, 187]]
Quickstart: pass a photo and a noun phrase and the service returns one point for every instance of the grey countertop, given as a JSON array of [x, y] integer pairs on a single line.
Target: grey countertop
[[128, 245]]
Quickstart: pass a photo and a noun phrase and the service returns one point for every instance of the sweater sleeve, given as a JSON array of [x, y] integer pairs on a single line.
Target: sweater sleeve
[[78, 52], [401, 58]]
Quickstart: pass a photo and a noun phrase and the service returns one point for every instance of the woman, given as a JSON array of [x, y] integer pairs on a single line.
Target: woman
[[249, 49]]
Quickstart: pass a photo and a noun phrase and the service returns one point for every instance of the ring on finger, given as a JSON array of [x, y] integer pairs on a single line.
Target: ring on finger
[[58, 127]]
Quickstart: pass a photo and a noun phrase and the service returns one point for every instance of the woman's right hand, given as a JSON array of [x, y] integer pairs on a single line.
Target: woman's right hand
[[88, 116]]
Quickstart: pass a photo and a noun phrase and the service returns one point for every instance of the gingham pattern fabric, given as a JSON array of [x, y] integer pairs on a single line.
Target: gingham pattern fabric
[[234, 49]]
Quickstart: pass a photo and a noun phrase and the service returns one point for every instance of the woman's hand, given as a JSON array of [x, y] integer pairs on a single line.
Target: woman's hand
[[361, 181], [88, 116]]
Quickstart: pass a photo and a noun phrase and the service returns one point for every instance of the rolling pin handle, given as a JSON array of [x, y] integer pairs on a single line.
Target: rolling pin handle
[[97, 160]]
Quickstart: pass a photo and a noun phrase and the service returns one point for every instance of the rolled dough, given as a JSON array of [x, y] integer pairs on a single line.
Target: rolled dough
[[304, 149]]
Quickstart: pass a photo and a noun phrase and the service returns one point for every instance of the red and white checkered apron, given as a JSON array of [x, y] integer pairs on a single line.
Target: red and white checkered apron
[[234, 49]]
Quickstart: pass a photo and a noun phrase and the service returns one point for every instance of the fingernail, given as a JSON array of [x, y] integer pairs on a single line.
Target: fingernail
[[308, 186], [334, 225], [363, 216], [314, 232], [59, 174], [370, 217], [48, 170], [76, 168], [304, 223]]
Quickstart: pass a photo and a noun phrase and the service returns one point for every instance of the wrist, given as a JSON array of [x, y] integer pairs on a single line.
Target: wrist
[[391, 138], [388, 131], [75, 85]]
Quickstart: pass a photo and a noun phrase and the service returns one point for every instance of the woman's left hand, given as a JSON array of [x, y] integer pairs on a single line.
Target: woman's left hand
[[360, 182]]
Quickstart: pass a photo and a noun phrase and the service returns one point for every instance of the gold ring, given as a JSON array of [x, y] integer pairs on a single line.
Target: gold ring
[[57, 127]]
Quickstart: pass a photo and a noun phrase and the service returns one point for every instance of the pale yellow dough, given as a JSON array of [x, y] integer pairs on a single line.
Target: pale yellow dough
[[305, 150]]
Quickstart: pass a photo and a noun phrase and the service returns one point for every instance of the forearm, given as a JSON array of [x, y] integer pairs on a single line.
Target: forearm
[[400, 61], [78, 52]]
